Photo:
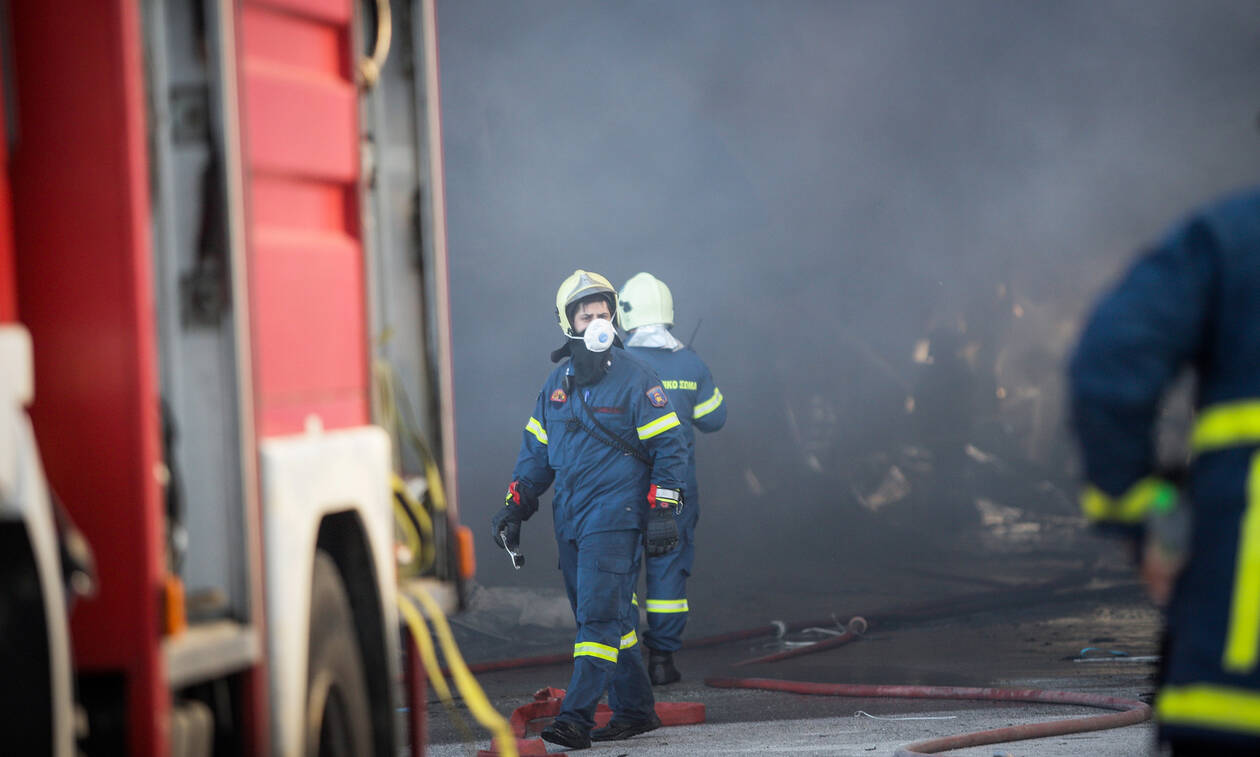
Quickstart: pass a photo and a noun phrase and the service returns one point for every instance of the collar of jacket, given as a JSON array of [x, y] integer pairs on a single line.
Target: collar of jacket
[[654, 335]]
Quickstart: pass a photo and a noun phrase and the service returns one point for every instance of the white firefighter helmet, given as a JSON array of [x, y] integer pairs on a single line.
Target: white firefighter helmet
[[645, 300], [580, 285]]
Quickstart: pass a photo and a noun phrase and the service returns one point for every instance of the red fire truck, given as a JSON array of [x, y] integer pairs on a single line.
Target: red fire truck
[[224, 341]]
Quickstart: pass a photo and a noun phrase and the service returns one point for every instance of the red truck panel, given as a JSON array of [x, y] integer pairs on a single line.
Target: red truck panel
[[314, 286], [300, 127], [316, 48], [82, 253], [287, 204], [336, 12], [8, 277]]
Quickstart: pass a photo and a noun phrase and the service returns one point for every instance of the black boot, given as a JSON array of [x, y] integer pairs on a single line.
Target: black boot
[[661, 668], [566, 734], [616, 730]]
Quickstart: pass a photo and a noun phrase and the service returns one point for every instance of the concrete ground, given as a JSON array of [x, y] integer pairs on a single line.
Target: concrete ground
[[1008, 643]]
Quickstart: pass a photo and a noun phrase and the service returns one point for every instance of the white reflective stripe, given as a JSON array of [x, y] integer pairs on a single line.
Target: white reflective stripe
[[709, 405], [669, 496], [536, 428], [629, 640], [594, 649], [658, 426], [667, 605]]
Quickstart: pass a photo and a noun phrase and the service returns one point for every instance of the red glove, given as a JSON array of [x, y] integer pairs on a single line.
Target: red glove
[[516, 495]]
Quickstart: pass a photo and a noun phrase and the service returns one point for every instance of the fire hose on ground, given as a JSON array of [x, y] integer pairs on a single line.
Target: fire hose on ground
[[1128, 711]]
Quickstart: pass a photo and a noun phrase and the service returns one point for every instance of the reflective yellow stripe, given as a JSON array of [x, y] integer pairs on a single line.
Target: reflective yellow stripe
[[1230, 424], [594, 649], [1130, 507], [667, 605], [629, 640], [658, 426], [1243, 635], [709, 405], [634, 598], [536, 428], [1215, 707]]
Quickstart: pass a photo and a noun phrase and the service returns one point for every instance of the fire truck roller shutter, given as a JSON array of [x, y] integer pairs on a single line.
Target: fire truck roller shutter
[[338, 719]]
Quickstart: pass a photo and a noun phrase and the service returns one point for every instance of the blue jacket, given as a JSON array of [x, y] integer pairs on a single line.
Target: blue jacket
[[599, 488], [695, 398], [1191, 302]]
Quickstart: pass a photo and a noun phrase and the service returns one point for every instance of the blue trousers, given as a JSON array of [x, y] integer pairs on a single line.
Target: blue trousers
[[667, 607], [599, 571]]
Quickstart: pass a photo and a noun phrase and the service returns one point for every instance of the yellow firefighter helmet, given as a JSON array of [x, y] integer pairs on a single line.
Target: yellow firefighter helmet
[[645, 300], [580, 285]]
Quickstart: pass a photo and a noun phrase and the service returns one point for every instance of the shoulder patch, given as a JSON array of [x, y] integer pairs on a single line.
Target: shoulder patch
[[558, 396], [656, 395]]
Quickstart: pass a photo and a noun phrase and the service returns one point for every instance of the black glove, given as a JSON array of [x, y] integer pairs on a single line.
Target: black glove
[[518, 505], [507, 527], [662, 526], [662, 532]]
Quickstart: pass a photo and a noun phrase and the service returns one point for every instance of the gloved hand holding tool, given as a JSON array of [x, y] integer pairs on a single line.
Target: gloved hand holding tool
[[662, 528], [518, 506]]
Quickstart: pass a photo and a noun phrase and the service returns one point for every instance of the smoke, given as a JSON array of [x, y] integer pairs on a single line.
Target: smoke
[[827, 185]]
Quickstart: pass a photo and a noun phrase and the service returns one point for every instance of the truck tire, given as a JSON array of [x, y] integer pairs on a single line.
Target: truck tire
[[338, 718], [26, 710]]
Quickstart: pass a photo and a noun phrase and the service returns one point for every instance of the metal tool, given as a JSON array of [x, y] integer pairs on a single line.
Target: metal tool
[[517, 558]]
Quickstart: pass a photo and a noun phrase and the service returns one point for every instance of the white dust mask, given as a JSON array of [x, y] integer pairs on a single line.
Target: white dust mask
[[599, 335]]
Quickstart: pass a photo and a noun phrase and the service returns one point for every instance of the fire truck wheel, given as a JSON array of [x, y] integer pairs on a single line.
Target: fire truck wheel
[[338, 719]]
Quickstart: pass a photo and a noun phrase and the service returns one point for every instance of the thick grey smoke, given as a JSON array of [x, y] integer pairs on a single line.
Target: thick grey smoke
[[825, 184]]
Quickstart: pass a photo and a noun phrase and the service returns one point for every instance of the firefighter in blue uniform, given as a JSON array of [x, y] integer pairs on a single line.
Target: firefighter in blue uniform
[[646, 310], [604, 430], [1193, 301]]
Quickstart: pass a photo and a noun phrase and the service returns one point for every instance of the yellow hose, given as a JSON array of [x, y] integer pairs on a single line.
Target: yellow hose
[[385, 400], [388, 393], [418, 535], [402, 417], [431, 474], [428, 657], [386, 388], [478, 704]]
